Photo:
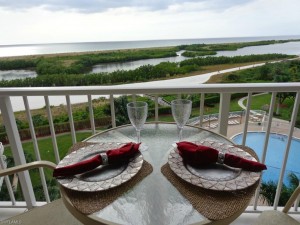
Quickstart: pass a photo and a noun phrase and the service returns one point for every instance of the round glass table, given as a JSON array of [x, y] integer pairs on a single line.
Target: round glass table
[[154, 200]]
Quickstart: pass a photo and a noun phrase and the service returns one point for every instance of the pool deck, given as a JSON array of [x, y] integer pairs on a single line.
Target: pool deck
[[278, 126]]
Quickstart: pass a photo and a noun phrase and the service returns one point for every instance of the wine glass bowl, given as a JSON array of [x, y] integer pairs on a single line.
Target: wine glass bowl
[[181, 111], [137, 113]]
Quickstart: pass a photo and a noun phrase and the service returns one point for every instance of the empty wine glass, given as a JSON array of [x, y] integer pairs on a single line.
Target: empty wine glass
[[181, 111], [137, 113]]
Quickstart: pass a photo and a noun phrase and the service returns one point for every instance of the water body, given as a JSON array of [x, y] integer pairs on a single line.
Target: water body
[[16, 74], [275, 154], [37, 49], [289, 48], [110, 67]]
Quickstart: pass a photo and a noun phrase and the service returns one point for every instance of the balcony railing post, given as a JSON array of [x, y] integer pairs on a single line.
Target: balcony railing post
[[91, 111], [224, 112], [287, 149], [249, 100], [156, 107], [17, 149], [71, 121], [52, 129], [112, 110], [202, 96]]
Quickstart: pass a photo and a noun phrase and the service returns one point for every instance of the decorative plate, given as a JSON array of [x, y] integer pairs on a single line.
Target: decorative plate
[[103, 177], [216, 176]]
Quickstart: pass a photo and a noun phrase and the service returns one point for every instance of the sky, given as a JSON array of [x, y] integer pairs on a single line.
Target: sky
[[63, 21]]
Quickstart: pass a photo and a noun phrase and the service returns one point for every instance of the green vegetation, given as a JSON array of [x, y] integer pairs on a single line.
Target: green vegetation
[[198, 53], [64, 142], [80, 63], [287, 71], [268, 190], [232, 60], [211, 49], [81, 119], [163, 70]]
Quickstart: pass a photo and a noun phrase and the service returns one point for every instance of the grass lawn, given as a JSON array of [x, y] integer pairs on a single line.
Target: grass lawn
[[64, 142], [234, 106], [261, 100]]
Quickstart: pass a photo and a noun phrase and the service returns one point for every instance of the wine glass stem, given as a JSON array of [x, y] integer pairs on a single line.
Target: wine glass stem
[[180, 133], [138, 133]]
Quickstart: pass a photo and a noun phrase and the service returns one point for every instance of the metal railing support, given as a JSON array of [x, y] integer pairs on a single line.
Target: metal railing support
[[287, 149], [9, 121], [249, 99], [36, 148], [52, 129], [263, 157], [71, 121], [224, 113], [156, 107], [112, 111], [91, 111], [202, 96]]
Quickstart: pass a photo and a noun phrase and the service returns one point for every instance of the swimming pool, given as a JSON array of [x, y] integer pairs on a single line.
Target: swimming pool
[[275, 153]]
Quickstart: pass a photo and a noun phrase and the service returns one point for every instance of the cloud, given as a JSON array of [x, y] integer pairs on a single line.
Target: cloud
[[169, 20], [93, 6]]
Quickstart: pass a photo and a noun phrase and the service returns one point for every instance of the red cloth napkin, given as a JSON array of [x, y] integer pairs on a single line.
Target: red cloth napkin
[[199, 155], [114, 156]]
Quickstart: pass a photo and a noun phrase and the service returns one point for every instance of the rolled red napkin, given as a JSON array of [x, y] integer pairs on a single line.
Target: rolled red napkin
[[199, 155], [112, 156]]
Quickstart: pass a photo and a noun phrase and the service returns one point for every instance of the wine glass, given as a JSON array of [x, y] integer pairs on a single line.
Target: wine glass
[[137, 113], [181, 111]]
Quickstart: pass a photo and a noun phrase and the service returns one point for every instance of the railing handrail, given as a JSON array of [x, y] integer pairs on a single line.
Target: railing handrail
[[149, 89]]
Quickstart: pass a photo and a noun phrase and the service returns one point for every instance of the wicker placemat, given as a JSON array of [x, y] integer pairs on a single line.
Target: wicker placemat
[[90, 202], [214, 205]]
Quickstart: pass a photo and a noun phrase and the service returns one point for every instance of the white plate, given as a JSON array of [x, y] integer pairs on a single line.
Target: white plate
[[216, 176], [103, 177]]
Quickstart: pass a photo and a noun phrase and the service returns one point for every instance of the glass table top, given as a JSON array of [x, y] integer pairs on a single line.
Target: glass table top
[[154, 200]]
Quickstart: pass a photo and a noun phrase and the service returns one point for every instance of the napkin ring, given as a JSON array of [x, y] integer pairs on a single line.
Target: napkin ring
[[221, 157], [104, 158]]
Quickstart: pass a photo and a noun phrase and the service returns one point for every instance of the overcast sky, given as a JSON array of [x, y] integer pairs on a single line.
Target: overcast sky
[[59, 21]]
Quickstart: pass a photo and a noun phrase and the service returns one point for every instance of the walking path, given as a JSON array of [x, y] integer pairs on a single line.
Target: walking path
[[241, 101]]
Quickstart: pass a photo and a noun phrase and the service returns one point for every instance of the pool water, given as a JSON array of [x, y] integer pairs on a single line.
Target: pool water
[[275, 154]]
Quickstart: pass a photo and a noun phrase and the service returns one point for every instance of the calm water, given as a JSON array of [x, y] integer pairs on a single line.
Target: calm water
[[275, 153], [110, 67], [290, 48], [16, 74]]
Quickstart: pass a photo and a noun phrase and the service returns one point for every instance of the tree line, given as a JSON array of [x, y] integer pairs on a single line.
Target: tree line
[[141, 74]]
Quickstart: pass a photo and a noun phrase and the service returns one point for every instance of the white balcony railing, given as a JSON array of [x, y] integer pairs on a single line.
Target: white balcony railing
[[225, 91]]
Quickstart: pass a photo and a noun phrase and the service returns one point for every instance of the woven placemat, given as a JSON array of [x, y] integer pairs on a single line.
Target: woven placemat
[[214, 205], [90, 202]]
